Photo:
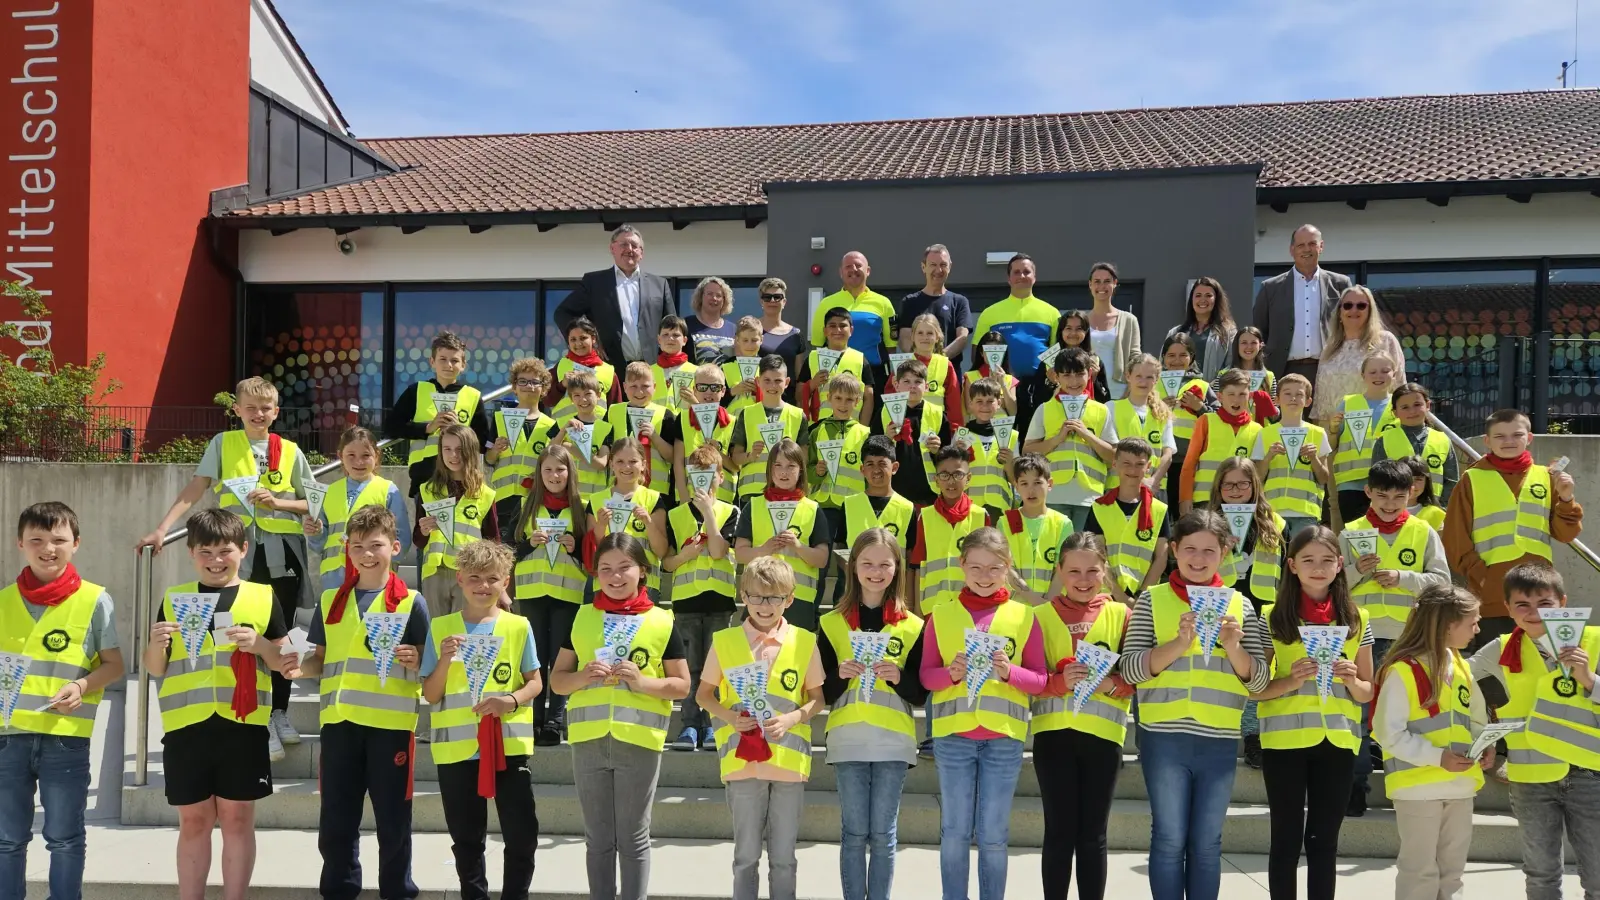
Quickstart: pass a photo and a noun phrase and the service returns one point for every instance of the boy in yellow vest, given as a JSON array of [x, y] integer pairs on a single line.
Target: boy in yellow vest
[[672, 369], [481, 750], [65, 628], [274, 533], [1230, 430], [1034, 531], [813, 376], [583, 390], [215, 704], [937, 530], [924, 430], [365, 722], [765, 776], [748, 450], [417, 416], [879, 506], [1554, 764], [991, 484], [512, 457], [1134, 523], [1295, 493], [639, 386], [830, 485], [1078, 450]]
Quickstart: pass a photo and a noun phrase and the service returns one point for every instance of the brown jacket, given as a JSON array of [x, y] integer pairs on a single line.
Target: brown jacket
[[1488, 582]]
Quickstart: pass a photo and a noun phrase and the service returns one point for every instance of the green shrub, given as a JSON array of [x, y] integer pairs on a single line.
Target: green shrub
[[47, 410]]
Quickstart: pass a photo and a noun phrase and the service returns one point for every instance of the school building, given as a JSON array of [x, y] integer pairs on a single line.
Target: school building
[[203, 215]]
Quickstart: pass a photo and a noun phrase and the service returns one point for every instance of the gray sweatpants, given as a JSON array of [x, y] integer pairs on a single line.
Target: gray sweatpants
[[616, 784], [767, 810], [1547, 812]]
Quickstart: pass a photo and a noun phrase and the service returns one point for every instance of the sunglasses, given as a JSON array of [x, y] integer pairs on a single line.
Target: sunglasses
[[1353, 305], [710, 388], [771, 298]]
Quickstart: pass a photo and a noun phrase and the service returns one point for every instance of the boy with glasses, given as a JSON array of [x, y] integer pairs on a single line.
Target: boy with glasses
[[512, 457], [705, 421]]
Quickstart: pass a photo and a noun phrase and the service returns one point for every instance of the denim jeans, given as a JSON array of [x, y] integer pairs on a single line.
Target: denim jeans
[[869, 814], [977, 780], [59, 768], [1363, 770], [1544, 812], [1189, 780]]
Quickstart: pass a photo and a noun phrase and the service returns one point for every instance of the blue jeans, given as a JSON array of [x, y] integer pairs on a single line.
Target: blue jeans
[[977, 780], [59, 768], [1189, 780], [869, 814], [1363, 770]]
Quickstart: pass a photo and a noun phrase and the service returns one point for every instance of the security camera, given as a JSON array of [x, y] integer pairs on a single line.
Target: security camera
[[347, 246]]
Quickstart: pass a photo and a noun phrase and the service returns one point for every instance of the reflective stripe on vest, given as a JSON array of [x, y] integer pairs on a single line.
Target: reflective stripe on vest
[[805, 516], [1350, 466], [536, 576], [1293, 492], [753, 474], [702, 574], [467, 400], [1034, 560], [1506, 527], [1447, 724], [454, 724], [619, 420], [1130, 551], [786, 691], [54, 647], [1563, 729], [351, 691], [1075, 459], [1402, 552], [885, 709], [1182, 420], [941, 577], [468, 523], [1200, 689], [519, 460], [597, 710], [192, 692], [238, 460], [336, 508], [1302, 718], [999, 707], [1222, 442], [895, 519], [1102, 715], [1435, 450]]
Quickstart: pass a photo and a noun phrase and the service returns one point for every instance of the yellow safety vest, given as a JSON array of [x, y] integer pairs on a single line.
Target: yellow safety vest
[[468, 517], [237, 461], [54, 647], [1446, 723], [651, 501], [753, 474], [941, 578], [886, 709], [1563, 730], [1130, 550], [852, 361], [467, 400], [702, 574], [999, 707], [722, 436], [895, 519], [1403, 552], [1303, 719], [1035, 560], [605, 374], [786, 692], [1266, 566], [598, 710], [336, 508], [454, 724], [805, 516], [732, 375], [1130, 424], [830, 491], [990, 484], [1222, 442], [1201, 689], [1293, 492], [1350, 466], [592, 482], [938, 373], [1182, 419], [536, 576], [521, 459], [1102, 715], [1435, 450], [1506, 527], [666, 392], [617, 418], [350, 688], [1433, 515], [1074, 459], [930, 419], [192, 692]]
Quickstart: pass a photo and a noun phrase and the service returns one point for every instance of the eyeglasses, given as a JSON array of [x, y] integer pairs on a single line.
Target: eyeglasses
[[710, 388], [1352, 305], [527, 385], [756, 600], [771, 298], [952, 476]]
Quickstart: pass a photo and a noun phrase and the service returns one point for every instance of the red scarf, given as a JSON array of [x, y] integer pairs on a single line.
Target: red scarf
[[636, 605], [1510, 466], [593, 360], [65, 585], [393, 592], [1237, 420], [274, 451], [243, 666], [1388, 528], [1146, 520], [1314, 611], [954, 513], [976, 601], [1181, 587], [722, 416], [905, 436], [891, 616], [668, 361], [556, 503], [491, 754], [782, 495], [753, 746], [1511, 656]]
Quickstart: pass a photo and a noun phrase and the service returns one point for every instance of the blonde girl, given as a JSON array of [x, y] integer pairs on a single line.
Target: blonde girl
[[1352, 455], [360, 486], [647, 519], [459, 478], [927, 344], [803, 544], [1139, 414]]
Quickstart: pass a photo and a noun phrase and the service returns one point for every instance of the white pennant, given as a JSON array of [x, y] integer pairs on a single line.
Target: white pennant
[[700, 477], [782, 513], [1563, 628], [895, 404], [1239, 516], [828, 359], [771, 433], [555, 528], [620, 510], [1003, 427], [994, 355], [830, 451], [582, 437], [315, 491], [443, 512], [749, 367], [1172, 381], [1293, 439], [638, 417], [706, 415], [1359, 422], [514, 419], [241, 487]]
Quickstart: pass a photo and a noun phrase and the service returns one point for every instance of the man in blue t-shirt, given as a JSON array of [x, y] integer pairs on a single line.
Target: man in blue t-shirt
[[950, 308]]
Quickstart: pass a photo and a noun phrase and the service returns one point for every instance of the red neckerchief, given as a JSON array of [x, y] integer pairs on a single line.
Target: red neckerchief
[[65, 585], [1314, 611], [1237, 420], [274, 451], [244, 702], [1146, 519], [978, 601], [1181, 587], [1511, 653], [782, 495], [633, 606], [555, 503], [954, 513], [1388, 528], [891, 616], [905, 436], [753, 746], [1511, 466], [393, 592], [1425, 692], [671, 360], [491, 754], [722, 416], [593, 360]]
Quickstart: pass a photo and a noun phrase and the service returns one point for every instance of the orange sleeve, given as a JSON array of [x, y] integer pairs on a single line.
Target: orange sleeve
[[1197, 446], [1566, 520]]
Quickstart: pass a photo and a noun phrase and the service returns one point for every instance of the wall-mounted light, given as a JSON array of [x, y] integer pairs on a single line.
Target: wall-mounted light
[[998, 257], [819, 243]]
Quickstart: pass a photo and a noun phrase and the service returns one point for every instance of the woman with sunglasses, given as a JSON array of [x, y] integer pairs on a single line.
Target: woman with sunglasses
[[1356, 334], [777, 336]]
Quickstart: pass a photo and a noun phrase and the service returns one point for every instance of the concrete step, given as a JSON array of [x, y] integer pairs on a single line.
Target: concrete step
[[702, 813]]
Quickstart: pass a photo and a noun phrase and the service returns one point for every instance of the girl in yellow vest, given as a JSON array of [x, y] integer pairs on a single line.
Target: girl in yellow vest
[[1413, 437], [511, 457], [927, 345], [1310, 742], [619, 706], [1554, 764], [361, 486], [766, 751], [583, 356], [1191, 704], [981, 369], [549, 591], [1193, 401], [481, 750], [1138, 414], [977, 742], [1352, 458], [872, 741], [1077, 754], [1247, 357], [648, 521], [1427, 713], [806, 544], [1228, 432], [458, 477], [1424, 502]]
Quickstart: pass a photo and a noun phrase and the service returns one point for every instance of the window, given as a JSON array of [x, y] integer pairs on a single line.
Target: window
[[1573, 307], [554, 343], [496, 323], [323, 350]]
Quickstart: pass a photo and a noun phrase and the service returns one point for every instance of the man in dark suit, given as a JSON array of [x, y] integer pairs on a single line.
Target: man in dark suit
[[1293, 309], [625, 303]]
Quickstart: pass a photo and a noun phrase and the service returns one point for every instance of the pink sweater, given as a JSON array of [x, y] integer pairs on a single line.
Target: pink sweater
[[1029, 677]]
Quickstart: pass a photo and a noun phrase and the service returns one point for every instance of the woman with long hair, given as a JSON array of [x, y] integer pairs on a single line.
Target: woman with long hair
[[1358, 331], [1113, 333], [1208, 322]]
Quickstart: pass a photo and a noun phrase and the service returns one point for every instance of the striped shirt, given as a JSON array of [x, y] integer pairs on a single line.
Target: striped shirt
[[1140, 639]]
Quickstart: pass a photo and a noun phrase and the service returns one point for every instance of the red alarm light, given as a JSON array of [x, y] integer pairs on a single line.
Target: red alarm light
[[816, 269]]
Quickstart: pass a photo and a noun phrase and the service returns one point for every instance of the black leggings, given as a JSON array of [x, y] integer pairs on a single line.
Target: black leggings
[[1077, 777], [1307, 792], [551, 621]]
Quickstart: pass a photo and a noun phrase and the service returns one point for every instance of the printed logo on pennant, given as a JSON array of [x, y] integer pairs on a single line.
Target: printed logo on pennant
[[895, 405], [705, 415], [315, 492], [443, 512]]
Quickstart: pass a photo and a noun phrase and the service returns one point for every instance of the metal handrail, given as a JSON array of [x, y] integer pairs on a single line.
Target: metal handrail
[[1467, 450], [144, 593]]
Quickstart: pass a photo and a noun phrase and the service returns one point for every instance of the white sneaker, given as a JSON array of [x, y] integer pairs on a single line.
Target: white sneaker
[[286, 729], [274, 743]]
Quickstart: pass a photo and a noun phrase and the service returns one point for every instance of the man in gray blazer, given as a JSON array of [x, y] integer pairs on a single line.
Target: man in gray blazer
[[1293, 309], [624, 302]]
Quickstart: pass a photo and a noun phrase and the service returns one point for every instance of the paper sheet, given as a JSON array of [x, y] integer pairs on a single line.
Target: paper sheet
[[220, 623], [828, 359], [443, 402], [582, 436], [616, 637], [1258, 377], [1492, 734], [895, 359], [1048, 357]]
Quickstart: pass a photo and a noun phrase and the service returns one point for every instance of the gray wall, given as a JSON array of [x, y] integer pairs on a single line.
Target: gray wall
[[1159, 229]]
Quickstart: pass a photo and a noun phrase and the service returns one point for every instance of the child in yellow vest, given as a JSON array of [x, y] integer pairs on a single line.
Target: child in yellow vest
[[830, 484], [647, 521], [466, 507], [925, 428], [807, 542], [360, 487], [1139, 414], [1033, 531], [215, 706], [1228, 431], [748, 450], [766, 760], [706, 421], [1413, 437], [879, 506], [742, 371], [1193, 400], [481, 749], [938, 529], [989, 363], [52, 617], [673, 371], [1078, 449], [814, 374], [583, 358], [943, 380], [1248, 348], [652, 424], [418, 413], [1427, 713], [510, 457], [1133, 523], [1424, 503], [991, 484], [1296, 492], [587, 431], [1352, 454]]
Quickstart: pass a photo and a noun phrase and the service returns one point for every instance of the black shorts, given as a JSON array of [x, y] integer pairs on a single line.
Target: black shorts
[[216, 758]]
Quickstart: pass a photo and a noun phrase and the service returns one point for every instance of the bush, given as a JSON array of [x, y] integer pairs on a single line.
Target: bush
[[47, 409], [186, 450]]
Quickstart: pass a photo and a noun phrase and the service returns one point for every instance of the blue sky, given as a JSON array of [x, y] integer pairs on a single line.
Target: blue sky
[[416, 67]]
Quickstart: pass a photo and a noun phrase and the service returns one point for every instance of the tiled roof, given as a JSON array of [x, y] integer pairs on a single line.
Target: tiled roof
[[1321, 144]]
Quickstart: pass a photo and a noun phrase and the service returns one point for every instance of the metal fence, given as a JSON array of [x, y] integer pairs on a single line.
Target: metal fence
[[161, 433]]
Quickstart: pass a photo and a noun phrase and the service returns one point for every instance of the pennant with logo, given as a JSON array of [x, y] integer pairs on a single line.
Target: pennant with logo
[[443, 512], [554, 529], [1210, 604], [1493, 733], [895, 405], [1172, 381], [1073, 407], [618, 511], [771, 433], [514, 420], [638, 418], [700, 477], [1563, 628], [1325, 646], [1293, 439], [1358, 422], [1258, 377], [1048, 357], [749, 682], [192, 614], [964, 439], [895, 359], [1004, 426], [781, 513], [13, 673], [749, 367], [582, 436], [994, 355], [384, 630], [869, 649], [830, 451], [315, 491], [1239, 516], [478, 654], [443, 402], [980, 647], [616, 637], [1099, 661], [705, 415], [1358, 542], [241, 487], [828, 360], [681, 380]]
